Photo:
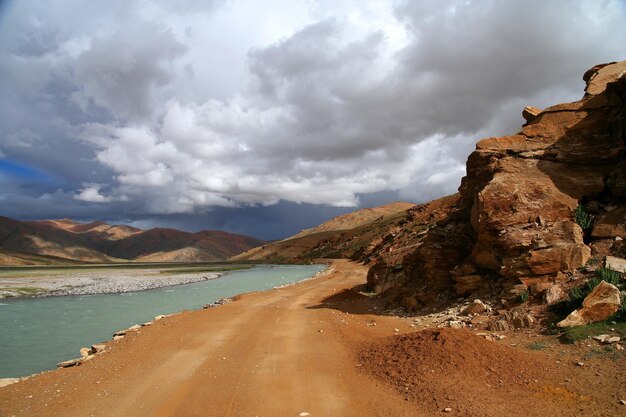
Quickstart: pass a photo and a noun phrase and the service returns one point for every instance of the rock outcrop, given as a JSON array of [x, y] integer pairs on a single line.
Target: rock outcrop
[[513, 222], [603, 301]]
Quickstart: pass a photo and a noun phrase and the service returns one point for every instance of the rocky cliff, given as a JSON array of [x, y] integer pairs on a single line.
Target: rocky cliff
[[517, 219]]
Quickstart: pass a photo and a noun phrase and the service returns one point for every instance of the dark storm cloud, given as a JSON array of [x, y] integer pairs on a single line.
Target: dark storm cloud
[[119, 103], [124, 70]]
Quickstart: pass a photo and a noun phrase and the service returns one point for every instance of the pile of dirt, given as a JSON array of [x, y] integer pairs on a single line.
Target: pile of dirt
[[443, 368]]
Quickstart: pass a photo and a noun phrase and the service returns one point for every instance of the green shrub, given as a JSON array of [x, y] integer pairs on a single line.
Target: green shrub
[[574, 334], [610, 276], [591, 284], [577, 295], [584, 219], [523, 296]]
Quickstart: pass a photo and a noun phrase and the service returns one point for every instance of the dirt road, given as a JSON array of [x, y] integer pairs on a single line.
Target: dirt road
[[284, 352]]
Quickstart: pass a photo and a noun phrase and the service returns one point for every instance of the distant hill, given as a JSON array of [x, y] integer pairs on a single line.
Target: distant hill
[[309, 243], [356, 218], [63, 241]]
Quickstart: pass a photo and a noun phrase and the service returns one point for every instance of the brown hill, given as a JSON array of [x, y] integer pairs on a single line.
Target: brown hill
[[175, 245], [323, 241], [56, 241], [106, 231], [357, 218], [48, 240]]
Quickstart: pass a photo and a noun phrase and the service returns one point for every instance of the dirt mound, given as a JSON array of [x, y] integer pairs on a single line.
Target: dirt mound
[[443, 368]]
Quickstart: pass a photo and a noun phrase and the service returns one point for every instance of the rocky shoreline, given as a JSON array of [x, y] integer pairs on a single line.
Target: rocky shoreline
[[96, 282]]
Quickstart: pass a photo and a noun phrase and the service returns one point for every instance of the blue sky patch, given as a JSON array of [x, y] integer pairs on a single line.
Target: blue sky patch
[[23, 172]]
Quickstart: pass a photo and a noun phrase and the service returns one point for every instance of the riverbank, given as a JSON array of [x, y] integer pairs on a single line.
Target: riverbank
[[89, 282], [318, 348]]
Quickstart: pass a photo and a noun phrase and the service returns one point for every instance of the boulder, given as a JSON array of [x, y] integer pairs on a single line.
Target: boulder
[[500, 326], [479, 320], [610, 224], [70, 363], [475, 307], [539, 288], [602, 303], [97, 348], [530, 113], [599, 76], [512, 320], [615, 263], [554, 294], [456, 324], [465, 284], [133, 328], [84, 352], [606, 338]]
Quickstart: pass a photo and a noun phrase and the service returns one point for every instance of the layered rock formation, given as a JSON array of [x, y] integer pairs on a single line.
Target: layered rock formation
[[513, 223]]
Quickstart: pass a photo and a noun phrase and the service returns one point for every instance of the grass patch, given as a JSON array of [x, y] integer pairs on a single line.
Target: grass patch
[[24, 290], [574, 334], [607, 351], [523, 296], [612, 277], [584, 219], [538, 346]]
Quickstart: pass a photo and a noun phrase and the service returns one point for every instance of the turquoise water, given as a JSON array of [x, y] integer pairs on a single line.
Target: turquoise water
[[36, 334]]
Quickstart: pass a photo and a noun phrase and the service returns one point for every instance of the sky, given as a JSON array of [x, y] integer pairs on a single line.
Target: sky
[[266, 117]]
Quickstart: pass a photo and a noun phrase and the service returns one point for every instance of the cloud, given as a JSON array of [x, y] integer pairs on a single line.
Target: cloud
[[182, 108], [124, 71], [91, 193]]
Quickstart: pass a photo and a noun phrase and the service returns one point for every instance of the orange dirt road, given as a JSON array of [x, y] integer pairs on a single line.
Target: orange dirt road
[[283, 353]]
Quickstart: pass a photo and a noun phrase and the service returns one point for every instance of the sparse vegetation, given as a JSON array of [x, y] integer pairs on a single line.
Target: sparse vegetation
[[606, 352], [584, 219], [574, 334], [538, 346], [523, 296], [23, 290], [577, 295], [612, 277]]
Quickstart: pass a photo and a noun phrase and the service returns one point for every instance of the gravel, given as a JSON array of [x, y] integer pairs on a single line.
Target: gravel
[[98, 282]]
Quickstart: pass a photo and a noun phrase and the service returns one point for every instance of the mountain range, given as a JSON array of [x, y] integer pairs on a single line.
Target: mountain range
[[67, 241]]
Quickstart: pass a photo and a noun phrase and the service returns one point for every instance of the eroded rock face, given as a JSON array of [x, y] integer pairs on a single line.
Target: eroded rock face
[[521, 190], [602, 303], [514, 219], [531, 183]]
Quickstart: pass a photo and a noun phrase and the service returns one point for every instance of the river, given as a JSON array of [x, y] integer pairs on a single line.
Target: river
[[37, 333]]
